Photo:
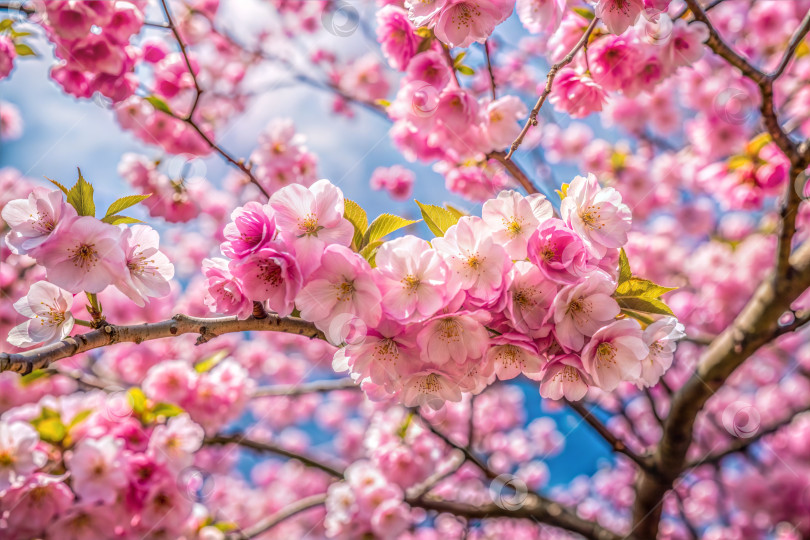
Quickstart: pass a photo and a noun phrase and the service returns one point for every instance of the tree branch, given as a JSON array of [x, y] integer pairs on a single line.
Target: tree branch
[[756, 325], [207, 328], [795, 40], [615, 443], [741, 445], [492, 84], [285, 513], [552, 73], [515, 171], [261, 446], [305, 388]]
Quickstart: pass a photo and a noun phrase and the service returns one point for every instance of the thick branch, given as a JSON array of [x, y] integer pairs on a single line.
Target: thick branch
[[261, 446], [207, 328], [552, 73], [756, 325]]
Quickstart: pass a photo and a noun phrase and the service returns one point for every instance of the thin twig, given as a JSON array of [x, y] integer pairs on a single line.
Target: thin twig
[[516, 172], [532, 121], [795, 40], [317, 387], [301, 505], [489, 69]]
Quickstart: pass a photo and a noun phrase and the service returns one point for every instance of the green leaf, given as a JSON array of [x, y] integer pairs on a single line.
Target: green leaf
[[460, 58], [118, 219], [207, 364], [641, 288], [644, 305], [643, 319], [24, 50], [25, 380], [357, 217], [166, 410], [369, 252], [49, 426], [383, 103], [624, 267], [5, 24], [403, 429], [57, 184], [226, 526], [384, 225], [79, 418], [125, 202], [159, 104], [584, 13], [455, 211], [137, 400], [465, 70], [80, 197], [437, 218]]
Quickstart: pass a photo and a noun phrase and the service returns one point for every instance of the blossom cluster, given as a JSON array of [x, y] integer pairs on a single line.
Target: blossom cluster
[[79, 254], [516, 291], [92, 42]]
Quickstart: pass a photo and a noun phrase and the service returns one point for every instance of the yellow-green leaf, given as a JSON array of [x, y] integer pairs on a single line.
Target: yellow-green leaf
[[57, 184], [5, 24], [369, 252], [456, 212], [166, 410], [49, 426], [25, 380], [437, 219], [384, 225], [137, 400], [159, 104], [118, 219], [644, 305], [358, 218], [24, 50], [79, 418], [125, 202], [641, 318], [582, 12], [209, 363], [624, 267], [80, 197], [641, 288], [459, 59], [465, 70]]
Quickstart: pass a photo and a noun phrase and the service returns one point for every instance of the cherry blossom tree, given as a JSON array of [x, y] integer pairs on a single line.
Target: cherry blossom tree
[[254, 356]]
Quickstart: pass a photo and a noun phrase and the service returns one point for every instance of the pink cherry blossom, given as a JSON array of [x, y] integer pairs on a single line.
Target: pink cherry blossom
[[477, 260], [269, 274], [311, 219], [41, 499], [7, 55], [511, 354], [424, 12], [581, 309], [432, 387], [661, 337], [414, 280], [513, 218], [540, 16], [614, 354], [32, 220], [224, 294], [559, 252], [341, 286], [460, 23], [565, 377], [618, 15], [96, 468], [84, 254], [397, 180], [19, 456], [396, 36], [48, 308], [176, 441], [596, 214], [251, 227], [502, 119], [577, 94], [460, 336], [149, 269], [529, 297]]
